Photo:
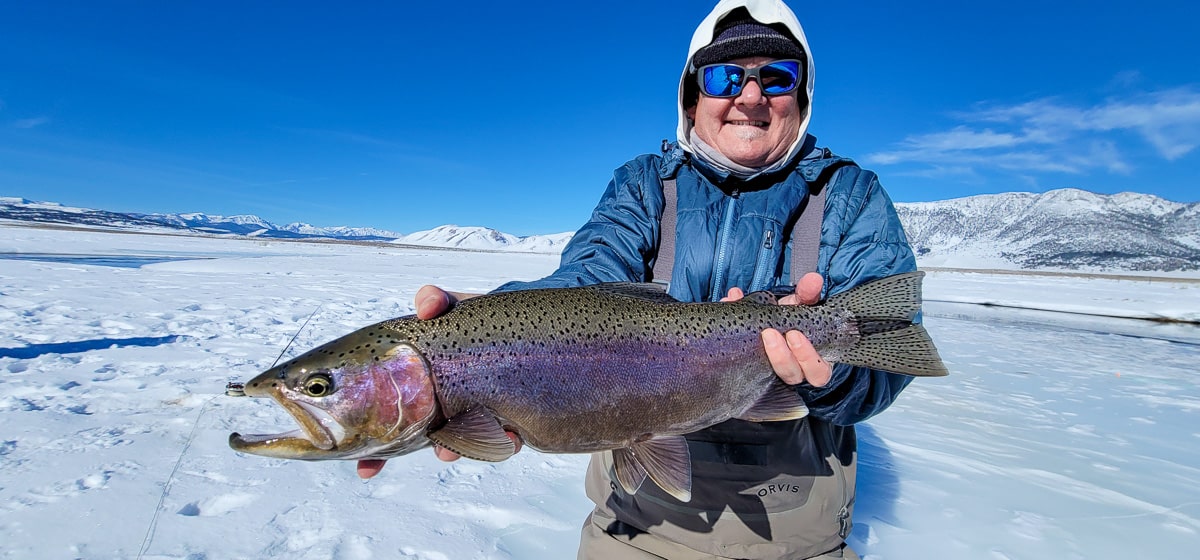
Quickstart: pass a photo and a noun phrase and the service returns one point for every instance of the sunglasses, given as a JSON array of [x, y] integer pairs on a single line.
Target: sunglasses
[[727, 80]]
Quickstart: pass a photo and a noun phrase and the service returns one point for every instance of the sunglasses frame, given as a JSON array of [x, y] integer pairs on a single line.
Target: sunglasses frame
[[751, 73]]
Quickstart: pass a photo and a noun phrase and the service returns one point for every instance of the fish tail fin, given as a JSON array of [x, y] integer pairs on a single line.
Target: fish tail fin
[[884, 312]]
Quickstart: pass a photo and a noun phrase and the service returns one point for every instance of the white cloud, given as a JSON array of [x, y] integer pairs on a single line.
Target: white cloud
[[963, 138], [31, 123], [1049, 135]]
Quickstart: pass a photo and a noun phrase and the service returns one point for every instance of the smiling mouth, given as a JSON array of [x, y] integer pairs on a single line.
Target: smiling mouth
[[758, 124]]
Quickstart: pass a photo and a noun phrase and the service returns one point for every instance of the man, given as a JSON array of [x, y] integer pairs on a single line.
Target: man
[[744, 170]]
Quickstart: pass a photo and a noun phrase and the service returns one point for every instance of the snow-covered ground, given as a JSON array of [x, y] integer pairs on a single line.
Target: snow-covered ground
[[1056, 436]]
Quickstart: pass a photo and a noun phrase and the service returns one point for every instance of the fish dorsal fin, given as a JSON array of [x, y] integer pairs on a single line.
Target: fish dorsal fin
[[645, 291], [475, 434], [779, 403], [765, 298], [664, 459]]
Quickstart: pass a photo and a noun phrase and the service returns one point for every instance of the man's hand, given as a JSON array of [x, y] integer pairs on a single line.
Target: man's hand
[[792, 355], [430, 301]]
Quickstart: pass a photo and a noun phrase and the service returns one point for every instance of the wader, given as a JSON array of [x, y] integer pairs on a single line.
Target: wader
[[771, 490], [777, 490]]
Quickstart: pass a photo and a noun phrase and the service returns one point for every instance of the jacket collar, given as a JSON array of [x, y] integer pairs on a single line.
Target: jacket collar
[[809, 166]]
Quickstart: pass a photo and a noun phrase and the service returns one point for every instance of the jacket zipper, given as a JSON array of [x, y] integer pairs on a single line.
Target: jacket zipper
[[761, 268], [723, 247]]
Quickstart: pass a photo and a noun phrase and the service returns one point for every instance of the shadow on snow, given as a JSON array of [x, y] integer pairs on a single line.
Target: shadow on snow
[[35, 350]]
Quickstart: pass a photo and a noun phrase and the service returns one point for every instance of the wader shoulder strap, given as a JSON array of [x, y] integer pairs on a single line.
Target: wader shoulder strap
[[664, 263], [806, 235]]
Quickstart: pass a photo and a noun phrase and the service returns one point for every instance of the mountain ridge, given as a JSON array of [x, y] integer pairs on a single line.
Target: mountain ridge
[[1062, 229]]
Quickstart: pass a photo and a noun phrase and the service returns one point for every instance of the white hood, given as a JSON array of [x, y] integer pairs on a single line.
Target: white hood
[[763, 11]]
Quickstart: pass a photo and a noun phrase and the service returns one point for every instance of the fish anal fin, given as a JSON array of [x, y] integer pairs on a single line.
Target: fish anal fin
[[475, 434], [668, 463], [629, 472], [779, 403]]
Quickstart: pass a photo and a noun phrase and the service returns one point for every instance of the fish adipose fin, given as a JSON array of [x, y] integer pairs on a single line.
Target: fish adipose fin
[[475, 434], [776, 405], [664, 459], [764, 298], [884, 311]]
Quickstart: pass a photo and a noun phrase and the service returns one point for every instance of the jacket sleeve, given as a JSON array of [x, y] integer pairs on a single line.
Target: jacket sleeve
[[863, 241], [620, 238]]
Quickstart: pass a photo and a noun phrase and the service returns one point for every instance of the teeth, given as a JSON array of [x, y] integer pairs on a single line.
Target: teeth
[[251, 439], [749, 123]]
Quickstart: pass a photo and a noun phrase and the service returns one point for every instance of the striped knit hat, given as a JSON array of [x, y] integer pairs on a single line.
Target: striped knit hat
[[740, 36]]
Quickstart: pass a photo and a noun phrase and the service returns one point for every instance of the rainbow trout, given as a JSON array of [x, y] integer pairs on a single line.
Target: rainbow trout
[[620, 367]]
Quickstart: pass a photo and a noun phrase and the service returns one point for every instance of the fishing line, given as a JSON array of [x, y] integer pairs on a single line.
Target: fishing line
[[289, 344], [232, 389], [167, 486]]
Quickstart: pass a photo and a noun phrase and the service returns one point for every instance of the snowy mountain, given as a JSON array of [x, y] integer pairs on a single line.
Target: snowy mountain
[[1066, 229], [486, 239], [477, 238]]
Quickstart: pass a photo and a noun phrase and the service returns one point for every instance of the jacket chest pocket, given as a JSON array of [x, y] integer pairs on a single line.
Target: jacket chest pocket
[[766, 263]]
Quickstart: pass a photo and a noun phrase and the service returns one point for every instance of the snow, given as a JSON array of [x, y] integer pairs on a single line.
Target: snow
[[1066, 435]]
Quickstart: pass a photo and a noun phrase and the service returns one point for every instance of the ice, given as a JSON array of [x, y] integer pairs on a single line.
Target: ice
[[1057, 434]]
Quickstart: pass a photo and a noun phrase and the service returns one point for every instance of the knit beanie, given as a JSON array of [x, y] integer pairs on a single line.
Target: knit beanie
[[740, 36]]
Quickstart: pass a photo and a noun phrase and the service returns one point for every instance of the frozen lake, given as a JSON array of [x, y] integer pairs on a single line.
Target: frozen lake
[[1056, 435]]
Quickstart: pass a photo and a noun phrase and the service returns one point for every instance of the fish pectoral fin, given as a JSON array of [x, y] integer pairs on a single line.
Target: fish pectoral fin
[[779, 403], [475, 434], [629, 472], [664, 459]]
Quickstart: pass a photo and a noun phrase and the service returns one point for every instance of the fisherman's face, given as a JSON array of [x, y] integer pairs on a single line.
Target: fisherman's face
[[751, 129]]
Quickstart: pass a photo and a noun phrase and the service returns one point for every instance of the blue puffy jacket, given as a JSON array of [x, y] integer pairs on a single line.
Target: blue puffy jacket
[[729, 234]]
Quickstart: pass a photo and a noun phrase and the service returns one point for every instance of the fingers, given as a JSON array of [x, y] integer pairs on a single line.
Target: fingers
[[816, 370], [794, 359], [780, 356], [448, 456], [368, 468], [432, 301], [445, 454], [734, 294], [808, 289]]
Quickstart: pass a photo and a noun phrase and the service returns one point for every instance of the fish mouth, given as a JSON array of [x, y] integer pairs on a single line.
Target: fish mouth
[[318, 436]]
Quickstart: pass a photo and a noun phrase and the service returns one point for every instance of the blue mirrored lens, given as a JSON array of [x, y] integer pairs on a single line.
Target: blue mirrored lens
[[779, 77], [723, 80], [727, 80]]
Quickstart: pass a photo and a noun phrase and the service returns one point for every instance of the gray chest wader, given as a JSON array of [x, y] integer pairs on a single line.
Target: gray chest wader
[[759, 490]]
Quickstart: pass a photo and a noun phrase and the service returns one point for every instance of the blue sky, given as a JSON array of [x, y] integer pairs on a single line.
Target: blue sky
[[512, 115]]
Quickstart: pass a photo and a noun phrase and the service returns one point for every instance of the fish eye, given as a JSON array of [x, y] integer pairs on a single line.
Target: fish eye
[[318, 385]]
